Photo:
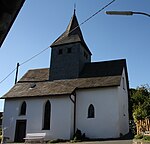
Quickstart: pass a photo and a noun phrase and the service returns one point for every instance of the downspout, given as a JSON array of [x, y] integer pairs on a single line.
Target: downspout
[[74, 113], [74, 124]]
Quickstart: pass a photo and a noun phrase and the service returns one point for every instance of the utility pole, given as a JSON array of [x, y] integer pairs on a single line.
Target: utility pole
[[17, 72]]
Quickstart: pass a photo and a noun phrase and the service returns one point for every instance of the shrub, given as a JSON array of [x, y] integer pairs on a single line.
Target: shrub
[[0, 131], [78, 136], [1, 138], [139, 136], [147, 138], [132, 127]]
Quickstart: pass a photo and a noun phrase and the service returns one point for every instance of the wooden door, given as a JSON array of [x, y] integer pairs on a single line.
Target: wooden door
[[20, 130]]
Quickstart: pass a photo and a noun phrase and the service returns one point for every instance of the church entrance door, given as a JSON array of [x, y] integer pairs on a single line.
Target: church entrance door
[[20, 130]]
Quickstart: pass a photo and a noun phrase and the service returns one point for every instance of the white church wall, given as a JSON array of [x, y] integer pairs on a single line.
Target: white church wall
[[61, 118], [60, 122], [105, 124], [11, 112], [123, 105]]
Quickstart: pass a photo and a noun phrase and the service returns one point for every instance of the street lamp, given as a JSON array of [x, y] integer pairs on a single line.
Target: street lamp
[[128, 13]]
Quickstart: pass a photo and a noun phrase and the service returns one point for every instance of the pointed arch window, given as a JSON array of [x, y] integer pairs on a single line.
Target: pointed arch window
[[23, 108], [47, 114], [91, 111]]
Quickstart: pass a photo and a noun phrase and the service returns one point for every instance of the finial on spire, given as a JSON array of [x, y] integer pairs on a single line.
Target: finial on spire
[[74, 8]]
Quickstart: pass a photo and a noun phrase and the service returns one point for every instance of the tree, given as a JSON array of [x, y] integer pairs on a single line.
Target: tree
[[140, 102]]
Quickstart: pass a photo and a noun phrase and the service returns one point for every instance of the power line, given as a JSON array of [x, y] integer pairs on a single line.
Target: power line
[[23, 64], [69, 32], [7, 76], [33, 57], [93, 15], [97, 12]]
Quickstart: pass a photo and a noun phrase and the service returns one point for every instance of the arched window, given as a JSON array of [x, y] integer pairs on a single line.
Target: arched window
[[91, 113], [47, 113], [23, 108]]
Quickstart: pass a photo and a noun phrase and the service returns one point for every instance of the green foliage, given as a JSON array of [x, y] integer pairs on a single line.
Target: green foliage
[[140, 136], [0, 131], [78, 136], [139, 113], [140, 95], [132, 127], [140, 102], [146, 138]]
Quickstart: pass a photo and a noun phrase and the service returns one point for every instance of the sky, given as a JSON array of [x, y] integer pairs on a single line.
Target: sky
[[39, 23]]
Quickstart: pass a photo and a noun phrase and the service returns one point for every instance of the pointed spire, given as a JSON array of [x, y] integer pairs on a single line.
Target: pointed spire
[[74, 8], [73, 27], [72, 34]]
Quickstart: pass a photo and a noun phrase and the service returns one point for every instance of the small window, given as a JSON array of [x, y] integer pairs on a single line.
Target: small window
[[23, 108], [60, 51], [85, 55], [91, 113], [123, 83], [69, 50]]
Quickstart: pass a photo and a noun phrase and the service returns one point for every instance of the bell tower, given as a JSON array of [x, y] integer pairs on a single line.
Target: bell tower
[[69, 53]]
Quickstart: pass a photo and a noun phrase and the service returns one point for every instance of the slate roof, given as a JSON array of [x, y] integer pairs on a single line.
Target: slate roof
[[98, 74], [101, 69], [37, 75], [59, 87], [72, 34]]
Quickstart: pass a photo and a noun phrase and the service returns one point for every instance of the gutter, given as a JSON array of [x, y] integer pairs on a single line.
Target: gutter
[[74, 114]]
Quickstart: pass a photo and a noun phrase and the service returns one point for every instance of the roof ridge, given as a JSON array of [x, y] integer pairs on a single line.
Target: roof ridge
[[123, 59], [38, 69]]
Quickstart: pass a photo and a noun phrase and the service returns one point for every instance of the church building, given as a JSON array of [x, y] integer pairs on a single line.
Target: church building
[[74, 93]]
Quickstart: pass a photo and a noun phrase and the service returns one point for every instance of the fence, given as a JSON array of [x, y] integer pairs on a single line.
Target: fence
[[143, 126]]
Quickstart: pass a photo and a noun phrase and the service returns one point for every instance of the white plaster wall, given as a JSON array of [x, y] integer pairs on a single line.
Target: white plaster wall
[[106, 121], [123, 105], [9, 119], [61, 117]]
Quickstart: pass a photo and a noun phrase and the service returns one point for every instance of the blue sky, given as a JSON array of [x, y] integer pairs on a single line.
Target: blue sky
[[39, 23]]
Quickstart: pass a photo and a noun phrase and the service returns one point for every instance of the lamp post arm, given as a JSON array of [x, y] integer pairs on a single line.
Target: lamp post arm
[[119, 13], [128, 13], [142, 13]]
